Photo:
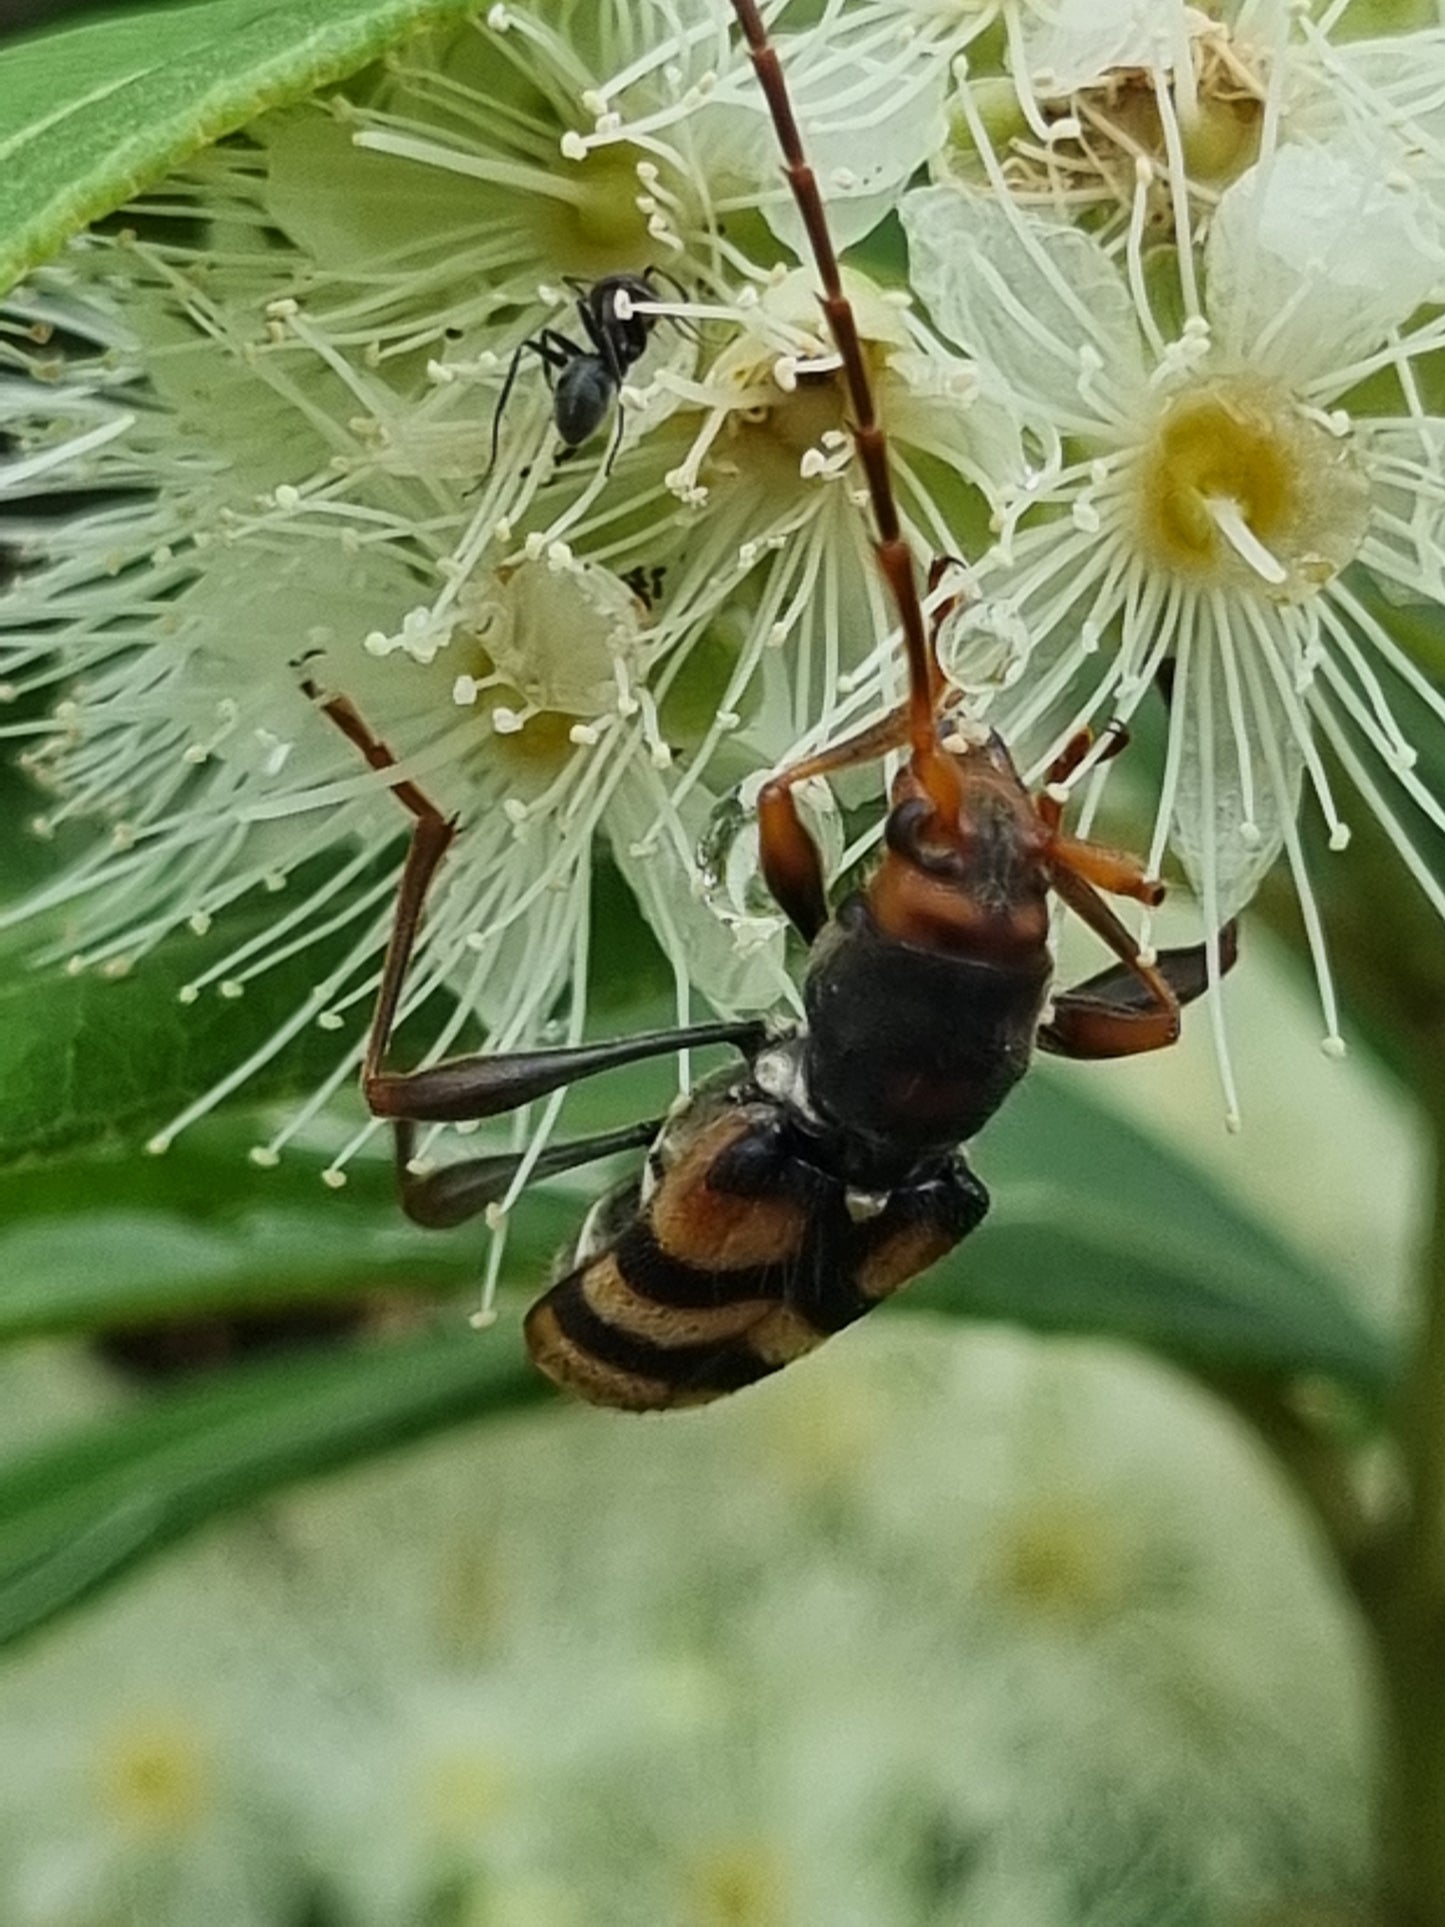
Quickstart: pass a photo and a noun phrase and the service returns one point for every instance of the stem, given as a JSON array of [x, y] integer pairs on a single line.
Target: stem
[[1409, 1612]]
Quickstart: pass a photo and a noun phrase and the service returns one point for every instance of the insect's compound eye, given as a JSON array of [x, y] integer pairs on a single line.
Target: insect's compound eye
[[906, 833]]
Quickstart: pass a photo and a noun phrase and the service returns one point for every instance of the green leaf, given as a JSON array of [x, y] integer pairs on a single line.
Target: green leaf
[[88, 1059], [93, 112], [77, 1514], [1098, 1229], [1095, 1228], [89, 1056], [100, 1269]]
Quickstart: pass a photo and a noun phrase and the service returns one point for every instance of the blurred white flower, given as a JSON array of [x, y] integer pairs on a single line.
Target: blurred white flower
[[135, 1782]]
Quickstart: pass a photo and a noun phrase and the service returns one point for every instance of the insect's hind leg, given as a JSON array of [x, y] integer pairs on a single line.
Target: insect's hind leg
[[554, 351], [467, 1089], [447, 1197]]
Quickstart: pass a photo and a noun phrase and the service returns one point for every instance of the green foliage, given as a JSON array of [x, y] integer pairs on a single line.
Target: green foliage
[[1096, 1230], [76, 1515], [88, 1057], [91, 114]]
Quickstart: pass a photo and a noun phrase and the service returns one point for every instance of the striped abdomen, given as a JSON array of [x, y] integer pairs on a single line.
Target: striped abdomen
[[705, 1287]]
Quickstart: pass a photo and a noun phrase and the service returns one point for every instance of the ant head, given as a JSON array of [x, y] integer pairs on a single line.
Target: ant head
[[614, 317]]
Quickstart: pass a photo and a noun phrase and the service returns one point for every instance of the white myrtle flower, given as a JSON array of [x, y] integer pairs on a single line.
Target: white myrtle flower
[[281, 486], [1097, 86], [1216, 486], [867, 80], [257, 476]]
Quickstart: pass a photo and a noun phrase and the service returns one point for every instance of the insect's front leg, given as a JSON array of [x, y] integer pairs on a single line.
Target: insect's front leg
[[1118, 1014], [792, 867]]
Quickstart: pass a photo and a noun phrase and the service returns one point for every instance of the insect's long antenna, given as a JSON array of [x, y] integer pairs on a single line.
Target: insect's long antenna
[[936, 771]]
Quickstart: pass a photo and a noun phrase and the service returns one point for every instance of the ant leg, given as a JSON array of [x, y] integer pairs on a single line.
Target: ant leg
[[612, 452], [554, 351], [792, 867], [1115, 1015], [450, 1196], [513, 365]]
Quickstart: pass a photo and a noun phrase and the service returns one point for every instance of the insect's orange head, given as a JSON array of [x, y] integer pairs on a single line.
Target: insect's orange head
[[964, 868]]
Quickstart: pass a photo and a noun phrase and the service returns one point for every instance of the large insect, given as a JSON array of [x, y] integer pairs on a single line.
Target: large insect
[[784, 1198], [586, 382]]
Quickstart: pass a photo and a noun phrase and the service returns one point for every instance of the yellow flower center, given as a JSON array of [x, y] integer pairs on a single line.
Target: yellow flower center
[[738, 1885], [461, 1791], [154, 1778], [604, 232], [1236, 486], [1062, 1562]]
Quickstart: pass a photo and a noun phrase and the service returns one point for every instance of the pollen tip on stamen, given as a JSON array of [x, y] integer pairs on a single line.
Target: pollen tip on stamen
[[494, 1217], [1148, 955], [1340, 836], [1250, 834], [481, 1321], [1233, 1122], [158, 1145], [1333, 1046], [264, 1157], [334, 1178]]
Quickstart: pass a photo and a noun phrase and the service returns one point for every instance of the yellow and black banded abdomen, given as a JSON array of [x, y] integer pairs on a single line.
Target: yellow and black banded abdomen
[[704, 1290]]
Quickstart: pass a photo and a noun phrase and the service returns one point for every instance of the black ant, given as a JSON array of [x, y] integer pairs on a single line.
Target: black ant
[[786, 1197], [585, 382]]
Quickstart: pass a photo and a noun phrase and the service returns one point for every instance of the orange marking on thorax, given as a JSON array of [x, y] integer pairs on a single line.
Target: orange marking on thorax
[[936, 913], [717, 1230]]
